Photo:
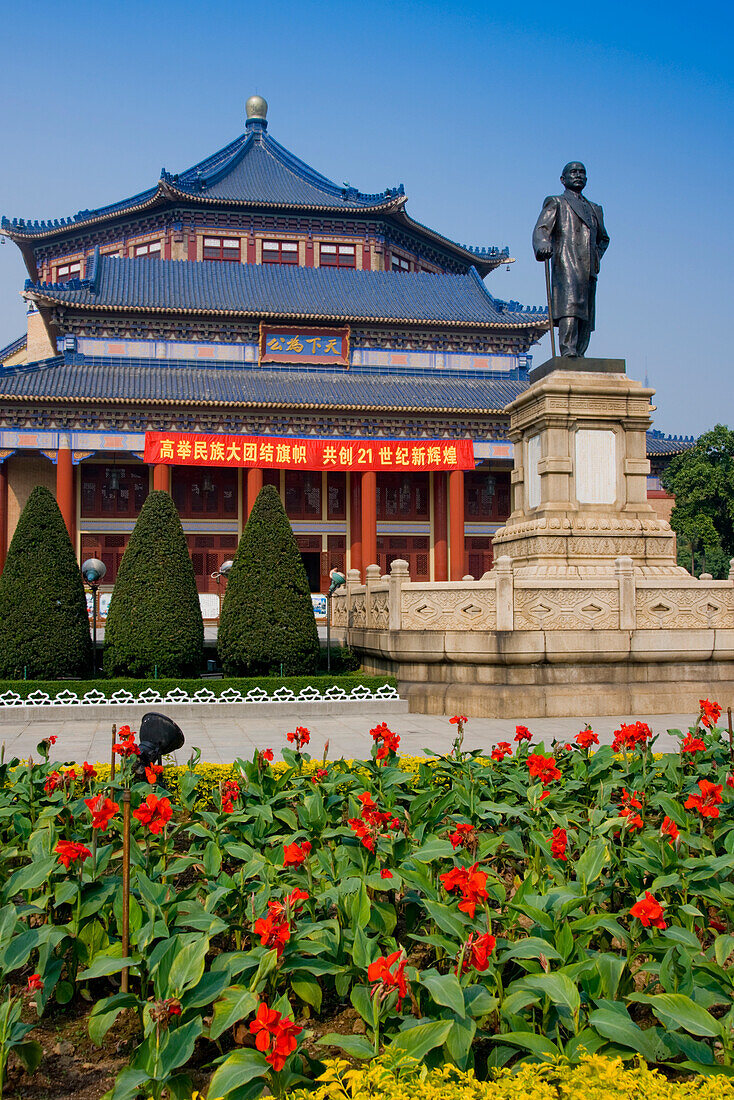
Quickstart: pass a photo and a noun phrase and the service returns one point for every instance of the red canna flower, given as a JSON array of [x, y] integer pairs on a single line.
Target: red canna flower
[[649, 912], [630, 735], [634, 821], [630, 800], [465, 836], [126, 745], [53, 781], [669, 829], [69, 851], [388, 972], [710, 713], [294, 855], [692, 744], [267, 754], [476, 952], [273, 931], [300, 738], [88, 771], [388, 740], [35, 985], [102, 810], [153, 772], [52, 739], [522, 733], [154, 812], [543, 768], [285, 1043], [730, 781], [470, 883], [458, 720], [708, 801], [586, 738], [319, 774], [384, 873], [559, 843], [264, 1026], [501, 750]]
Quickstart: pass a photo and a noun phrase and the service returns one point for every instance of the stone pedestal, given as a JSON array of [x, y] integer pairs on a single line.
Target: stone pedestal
[[580, 475]]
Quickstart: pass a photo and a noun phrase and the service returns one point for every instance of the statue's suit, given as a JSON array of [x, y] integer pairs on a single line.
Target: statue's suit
[[574, 229]]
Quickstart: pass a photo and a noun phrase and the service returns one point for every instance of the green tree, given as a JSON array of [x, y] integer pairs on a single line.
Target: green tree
[[44, 627], [267, 618], [154, 622], [702, 481]]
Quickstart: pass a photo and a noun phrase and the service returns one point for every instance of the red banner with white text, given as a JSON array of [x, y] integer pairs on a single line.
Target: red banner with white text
[[286, 453]]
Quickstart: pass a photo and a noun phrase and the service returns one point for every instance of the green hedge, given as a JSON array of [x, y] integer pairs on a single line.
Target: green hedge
[[243, 684]]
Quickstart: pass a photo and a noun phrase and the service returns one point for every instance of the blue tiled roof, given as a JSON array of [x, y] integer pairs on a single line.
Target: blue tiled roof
[[101, 379], [12, 347], [285, 291], [660, 444]]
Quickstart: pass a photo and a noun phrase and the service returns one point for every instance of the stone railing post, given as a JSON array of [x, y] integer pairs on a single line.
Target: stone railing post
[[504, 593], [625, 572], [731, 570], [353, 579], [399, 574], [373, 576]]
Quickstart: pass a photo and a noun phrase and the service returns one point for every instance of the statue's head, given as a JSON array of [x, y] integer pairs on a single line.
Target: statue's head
[[573, 176]]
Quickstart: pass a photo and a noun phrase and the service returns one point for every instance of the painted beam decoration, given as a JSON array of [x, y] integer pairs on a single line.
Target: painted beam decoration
[[286, 453], [304, 346]]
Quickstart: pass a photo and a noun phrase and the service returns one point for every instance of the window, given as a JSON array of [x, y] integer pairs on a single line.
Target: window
[[64, 272], [478, 556], [399, 263], [413, 549], [111, 490], [280, 252], [337, 255], [402, 496], [109, 549], [486, 495], [153, 248], [199, 493], [336, 496], [303, 494], [222, 248], [207, 553]]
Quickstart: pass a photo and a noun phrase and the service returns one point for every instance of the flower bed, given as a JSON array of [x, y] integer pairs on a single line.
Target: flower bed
[[530, 905]]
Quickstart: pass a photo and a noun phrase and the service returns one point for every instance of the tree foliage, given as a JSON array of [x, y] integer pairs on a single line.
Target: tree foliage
[[44, 627], [702, 481], [267, 623], [154, 623]]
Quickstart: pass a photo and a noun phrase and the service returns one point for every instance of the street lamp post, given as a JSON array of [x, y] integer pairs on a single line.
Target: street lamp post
[[93, 571]]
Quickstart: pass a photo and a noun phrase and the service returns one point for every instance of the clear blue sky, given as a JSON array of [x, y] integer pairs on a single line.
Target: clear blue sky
[[474, 109]]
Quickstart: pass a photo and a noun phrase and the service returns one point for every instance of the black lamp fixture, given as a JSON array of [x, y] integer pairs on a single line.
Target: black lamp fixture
[[114, 480], [207, 484], [159, 735]]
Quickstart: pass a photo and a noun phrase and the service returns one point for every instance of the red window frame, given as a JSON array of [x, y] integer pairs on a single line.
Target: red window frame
[[303, 494], [150, 249], [402, 496], [336, 496], [67, 271], [415, 549], [400, 263], [193, 497], [100, 501], [337, 255], [228, 249], [279, 252]]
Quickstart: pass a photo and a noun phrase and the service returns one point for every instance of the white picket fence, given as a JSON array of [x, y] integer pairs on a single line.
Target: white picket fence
[[95, 697]]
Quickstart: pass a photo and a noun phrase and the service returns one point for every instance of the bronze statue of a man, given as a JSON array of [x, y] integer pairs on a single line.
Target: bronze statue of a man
[[570, 232]]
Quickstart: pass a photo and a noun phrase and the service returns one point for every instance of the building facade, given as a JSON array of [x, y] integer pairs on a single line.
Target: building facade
[[249, 296]]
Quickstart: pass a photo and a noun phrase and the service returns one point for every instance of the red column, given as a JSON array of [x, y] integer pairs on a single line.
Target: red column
[[440, 532], [369, 519], [456, 533], [162, 477], [3, 513], [65, 490], [355, 521], [254, 485]]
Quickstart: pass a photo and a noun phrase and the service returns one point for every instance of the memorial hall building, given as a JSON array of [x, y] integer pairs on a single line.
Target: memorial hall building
[[247, 322]]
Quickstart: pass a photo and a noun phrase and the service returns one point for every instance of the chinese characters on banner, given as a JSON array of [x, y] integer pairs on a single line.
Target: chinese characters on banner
[[317, 346], [269, 452]]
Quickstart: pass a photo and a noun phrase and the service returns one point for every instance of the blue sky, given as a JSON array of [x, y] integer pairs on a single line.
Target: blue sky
[[475, 110]]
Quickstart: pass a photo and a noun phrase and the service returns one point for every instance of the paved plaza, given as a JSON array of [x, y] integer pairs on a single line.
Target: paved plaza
[[226, 732]]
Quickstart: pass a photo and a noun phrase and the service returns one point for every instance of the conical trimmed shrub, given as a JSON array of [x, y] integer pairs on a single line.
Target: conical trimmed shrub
[[154, 621], [44, 628], [267, 619]]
